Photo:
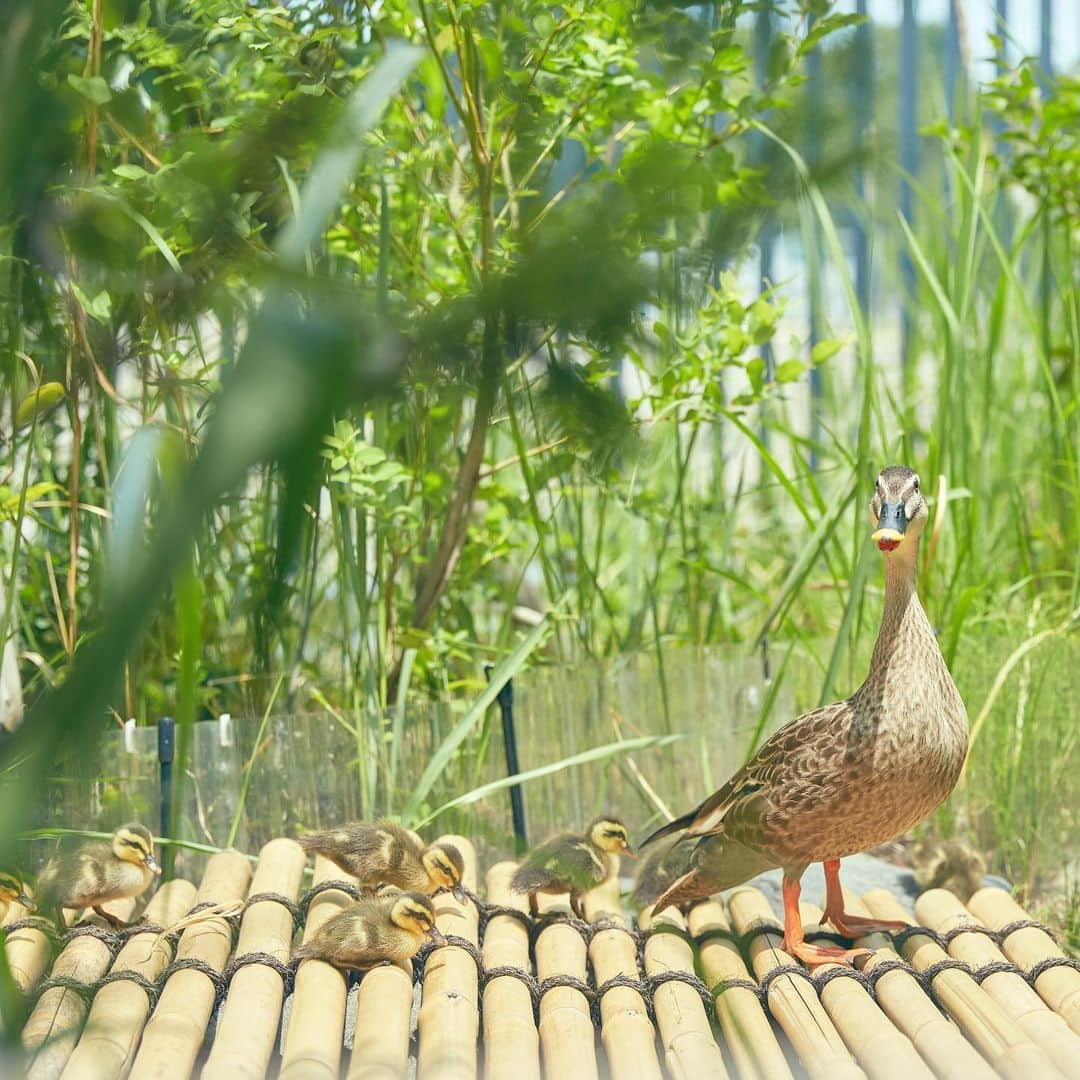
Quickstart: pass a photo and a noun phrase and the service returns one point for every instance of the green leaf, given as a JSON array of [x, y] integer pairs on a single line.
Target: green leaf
[[789, 371], [130, 172], [597, 753], [100, 307], [826, 350], [95, 89], [38, 402]]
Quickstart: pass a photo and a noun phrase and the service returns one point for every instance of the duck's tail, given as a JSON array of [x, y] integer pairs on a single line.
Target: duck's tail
[[671, 827]]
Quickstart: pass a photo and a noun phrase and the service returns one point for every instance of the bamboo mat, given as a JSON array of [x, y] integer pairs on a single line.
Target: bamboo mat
[[976, 991]]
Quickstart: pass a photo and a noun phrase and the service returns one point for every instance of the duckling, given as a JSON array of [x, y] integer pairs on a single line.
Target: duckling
[[660, 869], [12, 892], [386, 929], [385, 853], [98, 873], [948, 864], [572, 863]]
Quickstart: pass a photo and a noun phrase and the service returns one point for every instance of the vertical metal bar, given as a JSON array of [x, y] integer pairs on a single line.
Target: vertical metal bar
[[815, 99], [166, 751], [953, 74], [762, 48], [864, 114], [1046, 38], [909, 167], [505, 700]]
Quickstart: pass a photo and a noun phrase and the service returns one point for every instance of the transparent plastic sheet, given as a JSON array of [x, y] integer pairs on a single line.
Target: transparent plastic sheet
[[310, 770]]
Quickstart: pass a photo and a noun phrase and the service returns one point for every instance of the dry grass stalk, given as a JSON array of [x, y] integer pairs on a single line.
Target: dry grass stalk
[[626, 1031], [997, 1037], [1059, 987], [683, 1025], [50, 1034], [792, 1000], [901, 997], [317, 1021], [566, 1029], [878, 1046], [747, 1031], [176, 1030], [511, 1041], [118, 1014], [248, 1023], [942, 911], [449, 1019]]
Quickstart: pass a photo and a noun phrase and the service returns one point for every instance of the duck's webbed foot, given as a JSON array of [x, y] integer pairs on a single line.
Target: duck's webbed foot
[[795, 942], [852, 926]]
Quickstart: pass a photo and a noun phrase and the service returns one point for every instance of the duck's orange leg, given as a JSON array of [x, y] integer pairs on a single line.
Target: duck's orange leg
[[852, 926], [795, 943]]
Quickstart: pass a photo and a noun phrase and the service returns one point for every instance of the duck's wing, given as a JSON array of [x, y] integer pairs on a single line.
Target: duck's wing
[[566, 859], [747, 797]]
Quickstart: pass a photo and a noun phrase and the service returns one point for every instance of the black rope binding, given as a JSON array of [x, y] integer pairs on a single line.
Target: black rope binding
[[1050, 962], [351, 890], [263, 959], [278, 898], [151, 989]]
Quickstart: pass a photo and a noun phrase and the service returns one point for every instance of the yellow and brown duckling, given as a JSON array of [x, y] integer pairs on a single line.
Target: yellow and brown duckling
[[382, 852], [12, 891], [948, 864], [97, 873], [659, 870], [386, 929], [573, 863]]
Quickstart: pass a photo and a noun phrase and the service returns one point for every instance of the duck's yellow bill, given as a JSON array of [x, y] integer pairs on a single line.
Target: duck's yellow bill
[[887, 539]]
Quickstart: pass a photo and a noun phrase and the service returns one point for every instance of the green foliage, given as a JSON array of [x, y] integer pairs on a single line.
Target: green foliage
[[343, 343]]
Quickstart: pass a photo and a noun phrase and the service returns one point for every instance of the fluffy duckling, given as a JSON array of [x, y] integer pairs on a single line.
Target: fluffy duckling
[[659, 870], [386, 929], [948, 864], [573, 863], [98, 873], [384, 853], [12, 892]]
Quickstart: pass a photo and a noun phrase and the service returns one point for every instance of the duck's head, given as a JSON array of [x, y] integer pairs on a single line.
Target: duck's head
[[610, 834], [12, 891], [133, 843], [445, 867], [413, 911], [897, 508]]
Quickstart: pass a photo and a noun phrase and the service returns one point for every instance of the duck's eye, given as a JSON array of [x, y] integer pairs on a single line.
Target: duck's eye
[[916, 485]]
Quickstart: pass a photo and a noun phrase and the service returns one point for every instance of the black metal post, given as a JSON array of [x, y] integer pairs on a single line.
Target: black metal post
[[505, 699], [166, 750]]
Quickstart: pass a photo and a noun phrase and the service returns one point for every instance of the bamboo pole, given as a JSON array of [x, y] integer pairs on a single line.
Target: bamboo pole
[[1059, 987], [942, 911], [317, 1021], [118, 1015], [686, 1036], [383, 1024], [566, 1030], [983, 1021], [175, 1032], [747, 1031], [248, 1024], [511, 1041], [28, 950], [881, 1049], [903, 1000], [449, 1021], [50, 1034], [792, 1000], [625, 1029]]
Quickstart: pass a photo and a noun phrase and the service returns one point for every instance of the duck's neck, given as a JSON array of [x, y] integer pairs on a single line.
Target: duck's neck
[[905, 633]]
